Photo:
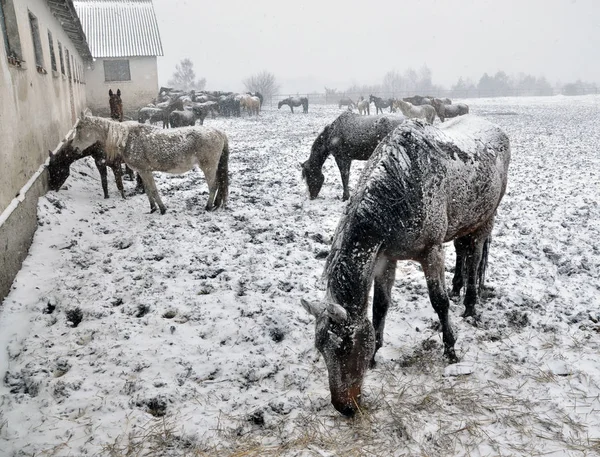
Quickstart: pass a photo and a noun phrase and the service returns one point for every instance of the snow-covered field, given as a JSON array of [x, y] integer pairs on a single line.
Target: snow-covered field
[[192, 339]]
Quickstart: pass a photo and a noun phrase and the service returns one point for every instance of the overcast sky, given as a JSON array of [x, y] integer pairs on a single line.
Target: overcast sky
[[310, 44]]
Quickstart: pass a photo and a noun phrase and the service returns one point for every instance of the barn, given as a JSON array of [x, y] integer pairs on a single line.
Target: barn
[[124, 40]]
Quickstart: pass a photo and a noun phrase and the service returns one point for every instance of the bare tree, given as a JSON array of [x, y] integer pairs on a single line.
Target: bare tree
[[184, 77], [263, 82]]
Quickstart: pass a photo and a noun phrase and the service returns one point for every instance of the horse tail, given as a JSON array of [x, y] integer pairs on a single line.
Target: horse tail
[[223, 176], [483, 263]]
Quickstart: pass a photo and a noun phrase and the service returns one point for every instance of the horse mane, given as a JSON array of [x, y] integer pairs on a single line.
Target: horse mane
[[116, 140]]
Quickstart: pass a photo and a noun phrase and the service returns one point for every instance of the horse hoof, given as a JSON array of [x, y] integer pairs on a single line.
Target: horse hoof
[[152, 210], [163, 210], [451, 355]]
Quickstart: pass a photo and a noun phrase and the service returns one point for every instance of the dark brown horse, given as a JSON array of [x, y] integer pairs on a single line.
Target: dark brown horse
[[380, 103], [116, 105], [445, 111], [350, 137], [422, 187], [60, 164]]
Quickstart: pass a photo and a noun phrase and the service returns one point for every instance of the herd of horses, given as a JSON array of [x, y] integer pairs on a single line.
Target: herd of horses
[[417, 106], [423, 185]]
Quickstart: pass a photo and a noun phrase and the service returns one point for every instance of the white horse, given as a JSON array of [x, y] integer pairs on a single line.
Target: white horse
[[146, 149], [250, 103], [363, 107], [426, 112]]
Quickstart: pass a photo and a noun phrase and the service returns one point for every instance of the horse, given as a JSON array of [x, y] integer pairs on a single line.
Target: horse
[[116, 105], [423, 186], [259, 95], [202, 110], [418, 100], [168, 107], [444, 110], [294, 101], [151, 114], [60, 164], [251, 104], [364, 107], [346, 102], [380, 103], [426, 112], [349, 137], [146, 149], [183, 118]]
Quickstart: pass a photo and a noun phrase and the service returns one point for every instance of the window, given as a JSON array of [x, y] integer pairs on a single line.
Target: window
[[52, 54], [67, 62], [62, 61], [116, 70], [10, 31], [37, 43]]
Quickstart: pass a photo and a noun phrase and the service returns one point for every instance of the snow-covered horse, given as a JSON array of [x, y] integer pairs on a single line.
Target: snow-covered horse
[[346, 101], [423, 186], [426, 112], [293, 102], [445, 110], [364, 107], [349, 137], [380, 103], [146, 149]]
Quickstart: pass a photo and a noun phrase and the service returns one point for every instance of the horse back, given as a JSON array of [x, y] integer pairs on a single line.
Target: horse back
[[425, 185]]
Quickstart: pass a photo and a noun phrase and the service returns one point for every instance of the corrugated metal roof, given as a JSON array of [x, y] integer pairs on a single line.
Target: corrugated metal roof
[[120, 28]]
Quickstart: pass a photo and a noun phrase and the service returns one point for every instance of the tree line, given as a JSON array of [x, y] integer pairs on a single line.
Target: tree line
[[408, 82]]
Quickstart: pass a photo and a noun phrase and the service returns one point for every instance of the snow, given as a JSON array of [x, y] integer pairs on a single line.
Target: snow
[[193, 341]]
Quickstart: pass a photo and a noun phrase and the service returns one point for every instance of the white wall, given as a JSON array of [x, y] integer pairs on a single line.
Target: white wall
[[135, 94], [36, 112], [35, 109]]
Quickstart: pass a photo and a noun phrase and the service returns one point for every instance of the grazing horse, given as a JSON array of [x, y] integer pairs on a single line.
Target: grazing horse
[[151, 114], [444, 110], [202, 110], [364, 107], [350, 137], [423, 186], [294, 101], [146, 149], [116, 105], [380, 103], [426, 112], [346, 102], [60, 164], [183, 118], [418, 100]]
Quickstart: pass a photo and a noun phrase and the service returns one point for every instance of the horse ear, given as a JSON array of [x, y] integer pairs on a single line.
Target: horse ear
[[110, 92], [337, 313], [315, 309], [119, 92], [49, 153]]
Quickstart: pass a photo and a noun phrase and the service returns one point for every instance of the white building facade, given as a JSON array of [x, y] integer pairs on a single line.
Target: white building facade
[[124, 40], [43, 55]]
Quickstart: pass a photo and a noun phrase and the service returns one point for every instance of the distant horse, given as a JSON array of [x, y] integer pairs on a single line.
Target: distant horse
[[202, 110], [146, 149], [116, 105], [364, 107], [168, 107], [426, 112], [60, 164], [422, 187], [349, 137], [380, 103], [445, 111], [346, 102], [259, 95], [418, 100], [151, 114], [294, 101], [183, 118], [251, 104]]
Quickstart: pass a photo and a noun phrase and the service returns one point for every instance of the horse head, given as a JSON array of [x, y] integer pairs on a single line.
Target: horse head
[[347, 346], [282, 102]]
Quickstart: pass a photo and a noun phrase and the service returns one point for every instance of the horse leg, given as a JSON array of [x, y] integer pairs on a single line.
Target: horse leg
[[118, 172], [101, 166], [211, 180], [433, 267], [473, 259], [344, 166], [460, 246], [382, 297], [152, 192], [292, 108]]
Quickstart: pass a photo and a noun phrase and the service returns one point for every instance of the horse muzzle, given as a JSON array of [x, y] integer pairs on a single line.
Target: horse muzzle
[[349, 403]]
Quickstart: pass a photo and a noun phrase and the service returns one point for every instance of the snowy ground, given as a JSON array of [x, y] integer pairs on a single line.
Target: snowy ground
[[192, 340]]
